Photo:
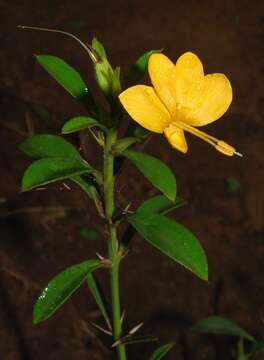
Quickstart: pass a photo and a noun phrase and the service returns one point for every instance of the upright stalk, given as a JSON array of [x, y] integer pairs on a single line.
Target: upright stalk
[[113, 241]]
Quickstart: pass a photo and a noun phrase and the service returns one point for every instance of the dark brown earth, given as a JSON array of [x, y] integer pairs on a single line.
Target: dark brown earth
[[40, 230]]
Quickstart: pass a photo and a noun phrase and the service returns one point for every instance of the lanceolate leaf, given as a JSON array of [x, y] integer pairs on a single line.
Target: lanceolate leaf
[[45, 145], [219, 325], [159, 204], [139, 69], [161, 351], [64, 74], [155, 171], [79, 123], [172, 239], [92, 283], [60, 288], [44, 171]]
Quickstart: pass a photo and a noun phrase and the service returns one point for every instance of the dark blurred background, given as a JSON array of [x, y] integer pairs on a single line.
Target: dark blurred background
[[42, 232]]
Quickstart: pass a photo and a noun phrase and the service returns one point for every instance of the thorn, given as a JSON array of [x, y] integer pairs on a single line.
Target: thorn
[[108, 323], [126, 209], [40, 189], [107, 332], [123, 316], [100, 257], [66, 186], [136, 328]]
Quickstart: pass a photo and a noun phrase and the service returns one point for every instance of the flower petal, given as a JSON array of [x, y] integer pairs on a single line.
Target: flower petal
[[160, 70], [188, 77], [144, 106], [176, 138], [213, 101]]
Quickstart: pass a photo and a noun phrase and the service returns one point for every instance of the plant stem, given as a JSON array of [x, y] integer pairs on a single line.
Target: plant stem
[[113, 241]]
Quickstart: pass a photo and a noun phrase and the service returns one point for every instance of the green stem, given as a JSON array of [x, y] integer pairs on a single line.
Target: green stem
[[113, 241]]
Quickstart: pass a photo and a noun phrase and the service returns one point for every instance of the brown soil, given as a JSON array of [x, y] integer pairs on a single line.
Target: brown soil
[[225, 195]]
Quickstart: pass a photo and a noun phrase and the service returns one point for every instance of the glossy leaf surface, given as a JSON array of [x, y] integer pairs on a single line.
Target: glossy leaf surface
[[155, 171], [172, 239], [64, 74], [79, 123], [45, 145], [60, 288], [44, 171], [220, 325], [159, 204]]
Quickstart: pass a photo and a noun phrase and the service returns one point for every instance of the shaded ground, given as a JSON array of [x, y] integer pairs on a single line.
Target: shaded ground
[[225, 195]]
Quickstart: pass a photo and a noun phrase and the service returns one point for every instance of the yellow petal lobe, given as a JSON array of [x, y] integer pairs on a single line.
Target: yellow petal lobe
[[187, 82], [213, 101], [176, 138], [144, 106], [160, 69]]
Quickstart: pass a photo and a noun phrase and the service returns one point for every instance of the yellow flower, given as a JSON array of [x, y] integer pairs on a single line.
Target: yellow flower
[[181, 99]]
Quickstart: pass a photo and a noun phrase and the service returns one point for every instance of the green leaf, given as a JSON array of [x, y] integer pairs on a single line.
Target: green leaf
[[161, 351], [139, 132], [92, 283], [88, 184], [79, 123], [85, 184], [123, 144], [220, 325], [64, 74], [155, 171], [44, 171], [258, 347], [60, 288], [45, 145], [159, 204], [139, 69], [172, 239]]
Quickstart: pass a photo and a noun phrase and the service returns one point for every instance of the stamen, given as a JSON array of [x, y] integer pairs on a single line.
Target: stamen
[[219, 145], [212, 141]]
